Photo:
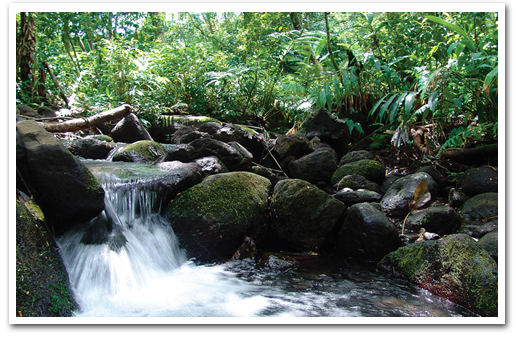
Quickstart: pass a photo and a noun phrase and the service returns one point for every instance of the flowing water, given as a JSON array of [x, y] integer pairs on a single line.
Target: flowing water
[[128, 262]]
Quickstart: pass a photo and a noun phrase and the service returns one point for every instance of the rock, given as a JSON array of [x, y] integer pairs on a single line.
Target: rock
[[277, 261], [180, 177], [186, 120], [265, 172], [212, 218], [356, 182], [211, 165], [367, 234], [326, 127], [247, 157], [46, 112], [479, 180], [129, 130], [210, 127], [355, 156], [190, 136], [480, 207], [431, 170], [295, 145], [25, 110], [42, 286], [303, 215], [350, 198], [89, 148], [143, 151], [456, 198], [62, 186], [317, 166], [368, 168], [477, 229], [442, 220], [205, 147], [395, 202], [489, 242], [254, 142], [181, 152], [390, 179], [454, 267]]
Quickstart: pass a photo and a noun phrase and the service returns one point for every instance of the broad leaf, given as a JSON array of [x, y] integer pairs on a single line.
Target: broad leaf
[[421, 197]]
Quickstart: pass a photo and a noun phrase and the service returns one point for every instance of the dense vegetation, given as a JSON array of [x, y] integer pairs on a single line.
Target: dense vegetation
[[377, 71]]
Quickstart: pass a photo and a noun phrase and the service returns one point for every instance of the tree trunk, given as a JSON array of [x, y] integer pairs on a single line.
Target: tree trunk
[[26, 50], [56, 83], [89, 122]]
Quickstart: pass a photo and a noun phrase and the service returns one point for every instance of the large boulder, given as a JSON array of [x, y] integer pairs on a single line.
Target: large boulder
[[395, 202], [89, 148], [212, 218], [63, 187], [315, 167], [291, 145], [367, 233], [455, 267], [180, 176], [480, 207], [143, 151], [368, 168], [326, 127], [442, 220], [356, 182], [253, 141], [490, 243], [355, 156], [181, 152], [231, 157], [303, 215], [129, 130], [479, 180]]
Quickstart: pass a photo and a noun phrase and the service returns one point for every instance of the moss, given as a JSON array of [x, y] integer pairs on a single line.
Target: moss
[[368, 168], [169, 120], [245, 128], [105, 138], [143, 150], [42, 286]]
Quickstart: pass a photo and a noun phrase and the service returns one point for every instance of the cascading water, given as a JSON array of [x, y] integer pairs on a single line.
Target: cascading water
[[127, 262]]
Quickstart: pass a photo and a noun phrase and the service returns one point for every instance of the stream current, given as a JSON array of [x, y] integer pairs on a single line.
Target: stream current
[[128, 263]]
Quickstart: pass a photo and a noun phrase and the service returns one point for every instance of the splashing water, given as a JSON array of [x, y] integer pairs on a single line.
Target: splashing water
[[127, 262]]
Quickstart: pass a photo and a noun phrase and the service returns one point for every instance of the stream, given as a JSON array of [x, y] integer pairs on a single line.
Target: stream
[[128, 263]]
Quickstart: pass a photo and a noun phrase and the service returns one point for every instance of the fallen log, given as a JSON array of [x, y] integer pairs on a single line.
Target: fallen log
[[476, 155], [84, 123]]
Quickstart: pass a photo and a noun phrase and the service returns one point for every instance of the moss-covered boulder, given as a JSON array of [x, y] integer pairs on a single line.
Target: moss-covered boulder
[[455, 267], [303, 215], [368, 168], [395, 202], [143, 151], [63, 187], [367, 233], [42, 285], [212, 218]]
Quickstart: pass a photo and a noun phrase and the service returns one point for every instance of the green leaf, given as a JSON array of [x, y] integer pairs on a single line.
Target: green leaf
[[433, 99], [385, 106], [490, 78], [379, 102], [410, 99], [395, 106]]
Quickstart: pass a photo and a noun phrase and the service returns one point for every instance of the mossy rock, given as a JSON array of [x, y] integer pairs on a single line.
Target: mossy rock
[[455, 267], [167, 120], [212, 218], [481, 206], [143, 151], [42, 286], [303, 215], [368, 168]]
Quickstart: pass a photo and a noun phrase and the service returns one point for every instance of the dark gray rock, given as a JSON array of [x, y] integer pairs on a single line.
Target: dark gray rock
[[395, 202], [129, 130], [355, 197], [327, 127], [367, 234], [456, 198], [231, 157], [368, 168], [480, 207], [303, 215], [490, 242], [62, 186], [292, 145], [181, 152], [317, 166], [479, 180], [355, 156], [442, 220], [356, 182], [89, 148], [247, 157], [190, 136], [210, 127], [211, 165]]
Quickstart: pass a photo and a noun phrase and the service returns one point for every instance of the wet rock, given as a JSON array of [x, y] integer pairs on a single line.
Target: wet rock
[[480, 207], [489, 242], [367, 234], [44, 111], [254, 142], [479, 180], [303, 215], [390, 179], [211, 165], [247, 157], [190, 136], [89, 148], [442, 220], [355, 156], [277, 261], [182, 131], [395, 202], [431, 170], [62, 186], [210, 127], [265, 172], [477, 229], [292, 145], [231, 157], [317, 166], [356, 182], [454, 267], [143, 151], [355, 197], [212, 217], [368, 168], [129, 130]]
